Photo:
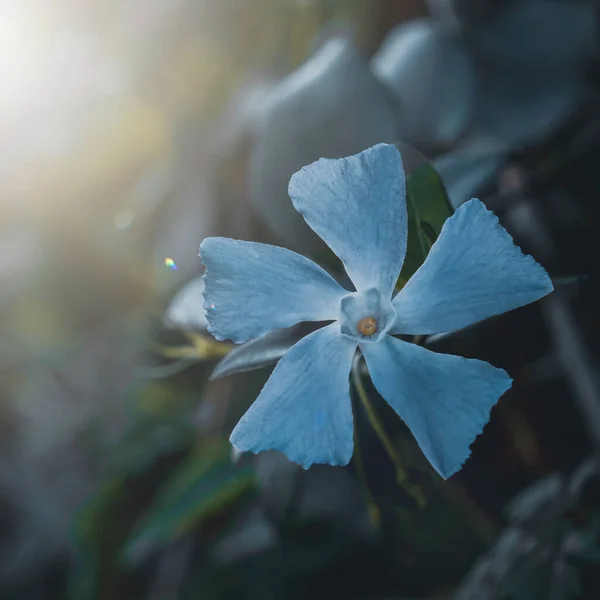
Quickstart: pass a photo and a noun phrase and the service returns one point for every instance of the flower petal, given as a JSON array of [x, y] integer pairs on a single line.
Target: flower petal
[[473, 271], [304, 410], [358, 206], [252, 288], [445, 400]]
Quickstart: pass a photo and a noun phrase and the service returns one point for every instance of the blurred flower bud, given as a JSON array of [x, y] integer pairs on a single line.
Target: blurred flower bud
[[433, 79], [186, 311]]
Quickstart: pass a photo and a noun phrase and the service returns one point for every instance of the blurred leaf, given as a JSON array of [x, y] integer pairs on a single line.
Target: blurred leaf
[[99, 530], [428, 208], [147, 440], [585, 483], [550, 580], [141, 460], [91, 538], [257, 353], [542, 499], [566, 582], [584, 544], [204, 484], [145, 455], [540, 555]]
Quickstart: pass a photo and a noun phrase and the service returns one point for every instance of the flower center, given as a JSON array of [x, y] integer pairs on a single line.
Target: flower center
[[367, 326], [366, 316]]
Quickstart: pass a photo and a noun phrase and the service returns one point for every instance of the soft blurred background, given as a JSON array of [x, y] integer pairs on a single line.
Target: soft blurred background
[[132, 129]]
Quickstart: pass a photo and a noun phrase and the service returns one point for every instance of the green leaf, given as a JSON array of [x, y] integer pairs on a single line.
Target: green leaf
[[147, 440], [143, 459], [206, 483], [99, 530], [428, 208]]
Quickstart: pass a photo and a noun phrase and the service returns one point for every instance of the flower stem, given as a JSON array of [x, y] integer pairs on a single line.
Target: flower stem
[[372, 507], [401, 476]]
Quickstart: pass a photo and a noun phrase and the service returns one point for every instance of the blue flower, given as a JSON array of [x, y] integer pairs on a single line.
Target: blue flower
[[357, 205]]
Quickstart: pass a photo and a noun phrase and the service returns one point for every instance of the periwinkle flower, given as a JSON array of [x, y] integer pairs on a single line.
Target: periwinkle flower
[[357, 205]]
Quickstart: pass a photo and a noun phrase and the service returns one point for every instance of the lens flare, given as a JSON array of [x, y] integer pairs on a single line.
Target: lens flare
[[169, 262]]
